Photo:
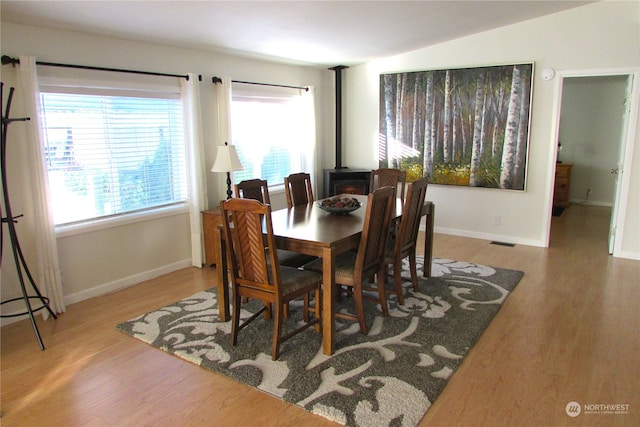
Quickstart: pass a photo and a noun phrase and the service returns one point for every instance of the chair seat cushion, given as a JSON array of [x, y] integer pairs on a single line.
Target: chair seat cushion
[[345, 265], [293, 279]]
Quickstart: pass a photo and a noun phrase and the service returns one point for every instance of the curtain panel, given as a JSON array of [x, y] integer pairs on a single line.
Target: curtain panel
[[197, 194], [48, 266]]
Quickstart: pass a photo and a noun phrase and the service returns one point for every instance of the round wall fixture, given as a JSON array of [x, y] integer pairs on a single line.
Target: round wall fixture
[[548, 73]]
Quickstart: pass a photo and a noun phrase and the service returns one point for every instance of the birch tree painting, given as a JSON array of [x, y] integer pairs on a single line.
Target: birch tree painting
[[466, 127]]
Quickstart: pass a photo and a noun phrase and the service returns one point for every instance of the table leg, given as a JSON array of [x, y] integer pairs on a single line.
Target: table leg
[[428, 240], [328, 301], [223, 280]]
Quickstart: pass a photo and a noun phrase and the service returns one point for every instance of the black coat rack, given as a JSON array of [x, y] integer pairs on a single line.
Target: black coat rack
[[10, 220]]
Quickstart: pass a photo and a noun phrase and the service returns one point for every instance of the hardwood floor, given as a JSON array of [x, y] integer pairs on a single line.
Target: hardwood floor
[[568, 332]]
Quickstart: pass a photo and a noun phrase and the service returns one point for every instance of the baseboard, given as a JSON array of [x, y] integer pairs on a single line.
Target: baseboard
[[514, 240], [489, 236], [110, 287], [628, 255], [125, 282], [591, 203]]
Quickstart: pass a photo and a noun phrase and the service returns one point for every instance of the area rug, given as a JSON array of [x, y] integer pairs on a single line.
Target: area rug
[[390, 377]]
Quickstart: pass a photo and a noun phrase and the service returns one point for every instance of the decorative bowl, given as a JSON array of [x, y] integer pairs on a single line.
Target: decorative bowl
[[340, 205]]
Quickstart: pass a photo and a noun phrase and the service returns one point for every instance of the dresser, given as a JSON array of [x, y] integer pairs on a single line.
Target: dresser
[[562, 185], [211, 222]]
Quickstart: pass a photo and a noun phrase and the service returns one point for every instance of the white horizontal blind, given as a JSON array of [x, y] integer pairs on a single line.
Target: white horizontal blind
[[270, 131], [111, 152]]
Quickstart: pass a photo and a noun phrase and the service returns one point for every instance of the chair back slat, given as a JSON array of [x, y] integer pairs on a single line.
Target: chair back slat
[[256, 189], [298, 189], [380, 206], [411, 216], [389, 177]]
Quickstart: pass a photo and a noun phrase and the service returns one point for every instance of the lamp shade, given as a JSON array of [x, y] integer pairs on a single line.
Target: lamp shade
[[226, 159]]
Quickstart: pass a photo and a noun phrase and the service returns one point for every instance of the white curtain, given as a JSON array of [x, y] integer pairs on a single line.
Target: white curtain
[[309, 103], [47, 273], [223, 104], [195, 165]]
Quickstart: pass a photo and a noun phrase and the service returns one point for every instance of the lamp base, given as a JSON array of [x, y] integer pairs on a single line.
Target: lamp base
[[229, 192]]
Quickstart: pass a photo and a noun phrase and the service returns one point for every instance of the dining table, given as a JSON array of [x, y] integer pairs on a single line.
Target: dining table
[[310, 230]]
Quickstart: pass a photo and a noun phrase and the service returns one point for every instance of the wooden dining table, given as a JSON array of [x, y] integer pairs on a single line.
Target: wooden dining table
[[309, 230]]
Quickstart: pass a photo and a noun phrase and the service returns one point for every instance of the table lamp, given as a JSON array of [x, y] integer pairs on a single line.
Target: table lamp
[[227, 161]]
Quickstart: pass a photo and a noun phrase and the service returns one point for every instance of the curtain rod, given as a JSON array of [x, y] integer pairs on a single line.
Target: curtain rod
[[219, 80], [13, 61]]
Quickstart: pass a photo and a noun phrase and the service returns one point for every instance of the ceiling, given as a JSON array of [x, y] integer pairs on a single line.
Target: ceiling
[[325, 33]]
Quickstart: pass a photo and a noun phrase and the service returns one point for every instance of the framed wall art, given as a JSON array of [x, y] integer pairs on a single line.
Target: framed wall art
[[467, 127]]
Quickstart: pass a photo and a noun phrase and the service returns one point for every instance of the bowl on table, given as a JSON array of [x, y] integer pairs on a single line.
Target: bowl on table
[[339, 205]]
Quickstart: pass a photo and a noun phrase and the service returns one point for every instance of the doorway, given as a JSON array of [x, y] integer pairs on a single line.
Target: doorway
[[592, 131]]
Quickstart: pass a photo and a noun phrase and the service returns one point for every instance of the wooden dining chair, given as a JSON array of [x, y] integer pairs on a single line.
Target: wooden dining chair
[[403, 242], [297, 187], [258, 189], [354, 269], [253, 277], [388, 177]]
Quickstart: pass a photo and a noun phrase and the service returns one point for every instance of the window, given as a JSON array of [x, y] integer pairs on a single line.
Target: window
[[111, 152], [273, 131]]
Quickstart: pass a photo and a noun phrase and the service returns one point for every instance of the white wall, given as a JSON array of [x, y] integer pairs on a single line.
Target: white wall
[[100, 261], [597, 36]]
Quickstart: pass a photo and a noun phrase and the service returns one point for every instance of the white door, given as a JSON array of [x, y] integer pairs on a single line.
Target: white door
[[619, 170]]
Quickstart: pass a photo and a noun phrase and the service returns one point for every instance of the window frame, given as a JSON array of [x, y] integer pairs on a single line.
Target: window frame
[[92, 82], [274, 95]]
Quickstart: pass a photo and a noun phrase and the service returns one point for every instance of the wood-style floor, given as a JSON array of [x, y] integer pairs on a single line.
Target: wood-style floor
[[570, 331]]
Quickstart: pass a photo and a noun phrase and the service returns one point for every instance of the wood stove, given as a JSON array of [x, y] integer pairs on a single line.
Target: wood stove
[[346, 181], [343, 180]]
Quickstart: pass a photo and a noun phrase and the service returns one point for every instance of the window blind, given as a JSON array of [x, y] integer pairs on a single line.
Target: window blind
[[111, 151], [270, 131]]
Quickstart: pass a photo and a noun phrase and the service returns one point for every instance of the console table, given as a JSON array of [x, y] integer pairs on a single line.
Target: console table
[[211, 225], [562, 185]]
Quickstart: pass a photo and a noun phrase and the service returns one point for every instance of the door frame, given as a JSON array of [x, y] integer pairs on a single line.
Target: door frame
[[626, 146]]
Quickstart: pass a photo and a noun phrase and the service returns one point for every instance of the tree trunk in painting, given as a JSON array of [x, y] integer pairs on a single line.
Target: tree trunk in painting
[[523, 132], [464, 132], [429, 127], [477, 133], [417, 114], [486, 116], [497, 123], [393, 153], [390, 124], [455, 134], [510, 147], [446, 134]]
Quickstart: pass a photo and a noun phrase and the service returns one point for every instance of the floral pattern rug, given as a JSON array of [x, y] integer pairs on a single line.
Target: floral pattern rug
[[390, 377]]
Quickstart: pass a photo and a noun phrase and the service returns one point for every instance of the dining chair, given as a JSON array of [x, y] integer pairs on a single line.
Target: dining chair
[[354, 269], [253, 277], [297, 187], [402, 243], [388, 177], [258, 189]]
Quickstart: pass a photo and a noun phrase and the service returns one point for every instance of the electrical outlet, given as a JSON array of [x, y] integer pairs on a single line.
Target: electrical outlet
[[496, 220]]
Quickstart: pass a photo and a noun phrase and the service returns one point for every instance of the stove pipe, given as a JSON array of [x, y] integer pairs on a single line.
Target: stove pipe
[[338, 71]]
